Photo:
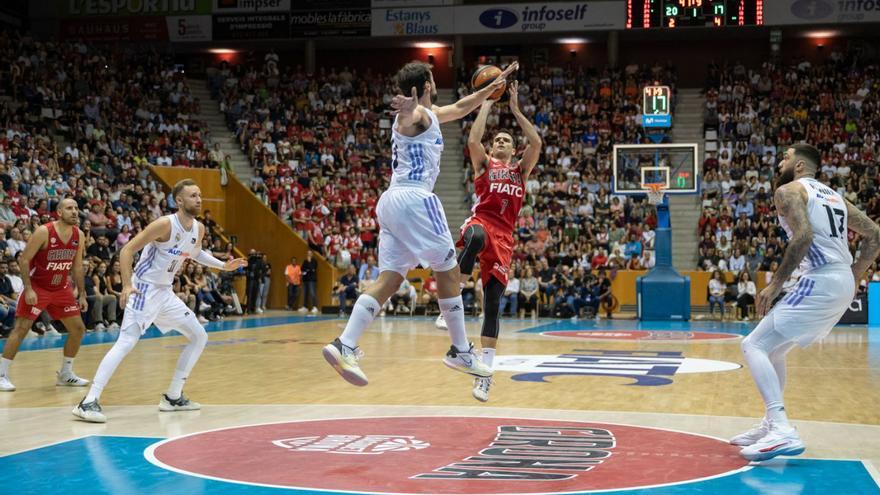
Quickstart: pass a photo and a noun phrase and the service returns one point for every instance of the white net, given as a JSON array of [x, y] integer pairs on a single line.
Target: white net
[[655, 193]]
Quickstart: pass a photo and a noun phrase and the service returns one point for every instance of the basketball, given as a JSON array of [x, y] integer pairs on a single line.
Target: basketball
[[483, 76]]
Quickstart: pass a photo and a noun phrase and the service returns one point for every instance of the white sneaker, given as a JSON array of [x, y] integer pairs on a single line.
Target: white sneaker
[[314, 310], [90, 412], [202, 319], [259, 311], [780, 440], [203, 306], [481, 389], [750, 437], [69, 379], [345, 361], [466, 362], [441, 323], [31, 334], [390, 308], [302, 310], [100, 327], [52, 332], [167, 404], [6, 385], [113, 326]]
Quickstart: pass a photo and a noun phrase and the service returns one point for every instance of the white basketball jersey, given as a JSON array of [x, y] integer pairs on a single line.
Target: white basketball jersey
[[160, 261], [826, 212], [416, 160]]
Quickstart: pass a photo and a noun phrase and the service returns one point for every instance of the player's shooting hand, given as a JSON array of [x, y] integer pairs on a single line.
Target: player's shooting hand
[[512, 89], [126, 293], [30, 296], [404, 104], [501, 80], [232, 265], [765, 299]]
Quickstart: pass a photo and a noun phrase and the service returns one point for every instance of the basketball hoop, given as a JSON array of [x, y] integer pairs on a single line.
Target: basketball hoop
[[655, 192]]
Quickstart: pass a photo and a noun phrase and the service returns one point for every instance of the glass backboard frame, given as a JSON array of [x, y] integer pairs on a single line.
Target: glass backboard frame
[[692, 147]]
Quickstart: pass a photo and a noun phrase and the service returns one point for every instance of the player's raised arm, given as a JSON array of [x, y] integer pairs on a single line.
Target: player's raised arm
[[158, 229], [205, 258], [475, 138], [467, 104], [791, 202], [533, 149], [869, 248], [409, 112], [39, 239]]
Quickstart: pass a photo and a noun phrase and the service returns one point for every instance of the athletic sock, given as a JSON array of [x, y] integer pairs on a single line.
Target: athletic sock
[[453, 312], [66, 365], [488, 356], [176, 387], [365, 309], [4, 366]]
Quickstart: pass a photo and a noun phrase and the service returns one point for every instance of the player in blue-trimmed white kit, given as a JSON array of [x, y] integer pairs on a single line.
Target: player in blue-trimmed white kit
[[148, 297], [412, 225], [816, 219]]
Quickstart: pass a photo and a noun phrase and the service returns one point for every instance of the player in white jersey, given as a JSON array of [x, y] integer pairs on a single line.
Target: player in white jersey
[[816, 219], [148, 298], [412, 225]]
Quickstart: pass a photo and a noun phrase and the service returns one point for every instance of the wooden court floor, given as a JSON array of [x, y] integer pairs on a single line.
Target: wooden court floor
[[679, 377]]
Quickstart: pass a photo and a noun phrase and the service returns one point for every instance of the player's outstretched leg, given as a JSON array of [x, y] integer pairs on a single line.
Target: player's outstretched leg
[[461, 355], [89, 409], [489, 335], [343, 353]]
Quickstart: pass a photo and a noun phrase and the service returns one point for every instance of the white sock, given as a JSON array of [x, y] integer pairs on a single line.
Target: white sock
[[176, 387], [66, 365], [365, 309], [776, 414], [4, 366], [488, 356], [453, 312]]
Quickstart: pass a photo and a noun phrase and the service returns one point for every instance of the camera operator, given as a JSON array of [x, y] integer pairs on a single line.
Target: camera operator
[[255, 273]]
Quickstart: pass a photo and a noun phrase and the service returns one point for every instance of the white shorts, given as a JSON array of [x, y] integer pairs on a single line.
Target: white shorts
[[811, 308], [413, 231], [159, 305]]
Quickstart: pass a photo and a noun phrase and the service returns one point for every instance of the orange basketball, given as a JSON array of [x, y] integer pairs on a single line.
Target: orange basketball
[[483, 76]]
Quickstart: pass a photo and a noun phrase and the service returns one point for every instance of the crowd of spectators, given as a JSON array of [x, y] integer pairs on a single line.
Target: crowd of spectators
[[85, 122], [757, 112]]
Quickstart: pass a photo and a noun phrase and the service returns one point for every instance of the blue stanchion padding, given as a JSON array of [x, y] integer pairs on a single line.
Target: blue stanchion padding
[[873, 304]]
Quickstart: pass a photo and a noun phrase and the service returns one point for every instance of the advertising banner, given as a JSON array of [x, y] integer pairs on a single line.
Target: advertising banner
[[340, 22], [133, 7], [189, 27], [783, 12], [112, 29], [250, 6], [412, 21], [251, 26], [540, 17]]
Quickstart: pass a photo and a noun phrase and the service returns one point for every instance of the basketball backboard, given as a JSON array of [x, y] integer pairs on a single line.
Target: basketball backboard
[[674, 165]]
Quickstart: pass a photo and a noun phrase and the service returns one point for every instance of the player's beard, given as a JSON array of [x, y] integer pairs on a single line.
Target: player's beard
[[784, 177], [192, 211]]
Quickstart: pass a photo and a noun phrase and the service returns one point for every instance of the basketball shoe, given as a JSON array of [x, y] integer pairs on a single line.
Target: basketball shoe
[[167, 404], [344, 360], [441, 323], [6, 385], [69, 379], [750, 437], [466, 362], [481, 389], [779, 440], [89, 411]]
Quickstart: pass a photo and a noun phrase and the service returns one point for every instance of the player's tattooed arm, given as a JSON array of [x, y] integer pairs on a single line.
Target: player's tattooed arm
[[791, 203], [869, 248], [479, 159], [533, 149]]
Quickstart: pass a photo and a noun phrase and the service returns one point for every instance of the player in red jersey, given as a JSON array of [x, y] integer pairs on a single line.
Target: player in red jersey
[[499, 184], [52, 253]]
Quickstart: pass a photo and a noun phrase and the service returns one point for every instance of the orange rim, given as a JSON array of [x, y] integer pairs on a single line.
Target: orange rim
[[655, 187]]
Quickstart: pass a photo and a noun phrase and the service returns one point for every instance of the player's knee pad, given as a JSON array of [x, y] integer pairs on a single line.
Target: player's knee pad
[[196, 333], [492, 305], [474, 242], [128, 338]]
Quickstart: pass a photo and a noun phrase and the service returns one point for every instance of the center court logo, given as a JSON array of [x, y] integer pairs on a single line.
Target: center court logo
[[353, 444], [645, 368], [447, 455]]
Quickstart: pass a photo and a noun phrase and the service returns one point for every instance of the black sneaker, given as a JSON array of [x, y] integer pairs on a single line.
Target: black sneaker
[[89, 411]]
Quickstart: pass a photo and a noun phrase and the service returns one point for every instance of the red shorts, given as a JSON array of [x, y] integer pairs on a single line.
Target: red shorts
[[60, 304], [496, 254]]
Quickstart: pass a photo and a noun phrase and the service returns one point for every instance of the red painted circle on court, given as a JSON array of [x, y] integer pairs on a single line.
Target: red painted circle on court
[[448, 455], [656, 335]]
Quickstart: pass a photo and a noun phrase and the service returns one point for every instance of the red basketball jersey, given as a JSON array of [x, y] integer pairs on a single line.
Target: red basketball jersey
[[50, 268], [500, 192]]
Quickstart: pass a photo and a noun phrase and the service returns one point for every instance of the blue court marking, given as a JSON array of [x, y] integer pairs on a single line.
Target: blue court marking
[[94, 338], [664, 326], [116, 465]]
